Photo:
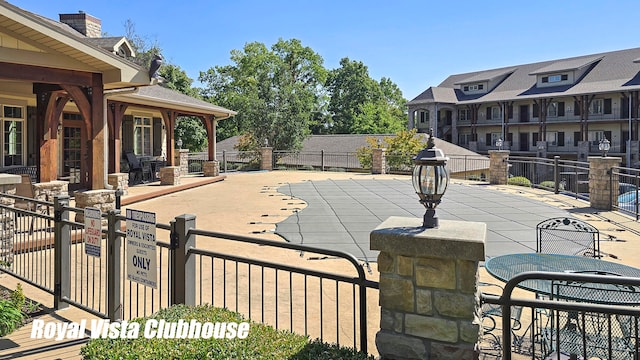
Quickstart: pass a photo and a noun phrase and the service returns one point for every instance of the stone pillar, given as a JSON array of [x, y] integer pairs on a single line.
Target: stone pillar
[[378, 161], [45, 191], [429, 297], [181, 158], [266, 158], [170, 175], [104, 200], [498, 166], [603, 191], [211, 168], [583, 150], [7, 226], [119, 181]]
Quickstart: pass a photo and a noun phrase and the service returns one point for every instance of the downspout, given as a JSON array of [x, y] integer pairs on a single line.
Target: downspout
[[105, 128]]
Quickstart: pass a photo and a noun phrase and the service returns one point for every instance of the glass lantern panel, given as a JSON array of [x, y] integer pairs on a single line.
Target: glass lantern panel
[[428, 180], [442, 179], [416, 178]]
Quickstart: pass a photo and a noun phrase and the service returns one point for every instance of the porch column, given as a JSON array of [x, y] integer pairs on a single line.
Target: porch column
[[170, 124], [115, 114], [97, 177], [210, 124], [48, 142]]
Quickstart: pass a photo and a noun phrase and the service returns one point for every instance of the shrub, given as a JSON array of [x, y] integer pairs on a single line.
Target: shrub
[[551, 185], [519, 181], [262, 342], [10, 317]]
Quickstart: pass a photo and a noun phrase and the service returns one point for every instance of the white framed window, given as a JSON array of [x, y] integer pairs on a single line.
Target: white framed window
[[464, 114], [555, 78], [552, 138], [423, 116], [142, 135], [464, 139], [495, 113], [596, 107], [494, 138], [474, 87], [595, 136], [13, 119]]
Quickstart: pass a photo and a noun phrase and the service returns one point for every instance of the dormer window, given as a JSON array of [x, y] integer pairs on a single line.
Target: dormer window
[[474, 87], [555, 78]]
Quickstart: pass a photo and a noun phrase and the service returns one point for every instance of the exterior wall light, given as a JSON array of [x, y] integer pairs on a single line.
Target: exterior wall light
[[430, 180], [604, 146]]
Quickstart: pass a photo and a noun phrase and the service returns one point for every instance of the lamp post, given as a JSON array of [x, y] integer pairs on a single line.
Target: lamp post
[[499, 144], [604, 146], [430, 180], [179, 143]]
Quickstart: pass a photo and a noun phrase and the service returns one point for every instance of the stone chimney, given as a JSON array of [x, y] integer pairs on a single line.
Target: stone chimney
[[84, 23]]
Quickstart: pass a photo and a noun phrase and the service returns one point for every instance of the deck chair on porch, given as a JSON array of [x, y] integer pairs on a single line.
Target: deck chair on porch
[[135, 168]]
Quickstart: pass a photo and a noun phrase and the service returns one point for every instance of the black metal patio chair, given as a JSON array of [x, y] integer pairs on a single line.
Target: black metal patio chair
[[567, 236]]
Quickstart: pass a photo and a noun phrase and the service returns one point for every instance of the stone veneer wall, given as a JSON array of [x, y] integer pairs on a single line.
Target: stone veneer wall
[[104, 200], [181, 158], [428, 288], [47, 190], [170, 175], [603, 191], [498, 166], [211, 168], [378, 161], [266, 158], [119, 181], [7, 225]]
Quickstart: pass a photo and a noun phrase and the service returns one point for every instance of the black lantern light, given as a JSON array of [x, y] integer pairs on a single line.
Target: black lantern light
[[430, 179], [604, 146]]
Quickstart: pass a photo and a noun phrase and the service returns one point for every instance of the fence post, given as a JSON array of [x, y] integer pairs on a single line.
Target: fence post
[[322, 159], [556, 177], [62, 252], [224, 160], [114, 243], [183, 265]]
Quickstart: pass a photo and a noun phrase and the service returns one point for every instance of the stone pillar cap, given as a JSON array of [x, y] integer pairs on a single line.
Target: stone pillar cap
[[462, 240], [9, 179]]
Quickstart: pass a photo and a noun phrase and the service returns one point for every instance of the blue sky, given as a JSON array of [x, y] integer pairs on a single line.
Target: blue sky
[[415, 43]]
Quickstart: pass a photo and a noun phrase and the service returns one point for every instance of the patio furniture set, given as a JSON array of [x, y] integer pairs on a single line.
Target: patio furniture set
[[143, 169], [566, 246]]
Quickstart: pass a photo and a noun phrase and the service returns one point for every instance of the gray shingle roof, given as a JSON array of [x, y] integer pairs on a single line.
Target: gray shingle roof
[[568, 64], [613, 71], [349, 143], [174, 99]]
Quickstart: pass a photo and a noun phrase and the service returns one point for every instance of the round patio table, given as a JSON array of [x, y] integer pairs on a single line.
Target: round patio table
[[506, 267]]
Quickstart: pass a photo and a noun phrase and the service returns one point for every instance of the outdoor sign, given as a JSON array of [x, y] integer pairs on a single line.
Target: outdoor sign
[[92, 231], [141, 248]]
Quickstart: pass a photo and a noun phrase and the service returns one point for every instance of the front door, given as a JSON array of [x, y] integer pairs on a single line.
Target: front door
[[524, 141], [524, 113], [74, 155]]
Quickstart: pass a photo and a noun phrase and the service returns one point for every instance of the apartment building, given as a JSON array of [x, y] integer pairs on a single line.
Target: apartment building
[[559, 107]]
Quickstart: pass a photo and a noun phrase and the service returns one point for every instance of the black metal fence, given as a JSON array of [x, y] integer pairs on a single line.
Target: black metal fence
[[316, 160], [628, 185], [560, 176], [287, 289], [560, 325]]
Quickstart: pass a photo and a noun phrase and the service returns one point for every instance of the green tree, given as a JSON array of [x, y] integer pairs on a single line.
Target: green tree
[[145, 48], [400, 149], [276, 92], [361, 105]]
